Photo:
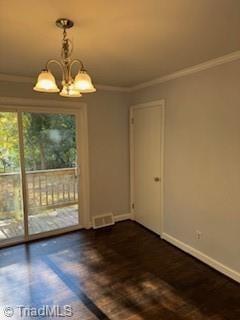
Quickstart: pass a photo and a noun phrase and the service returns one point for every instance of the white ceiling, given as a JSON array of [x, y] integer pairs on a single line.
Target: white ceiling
[[122, 42]]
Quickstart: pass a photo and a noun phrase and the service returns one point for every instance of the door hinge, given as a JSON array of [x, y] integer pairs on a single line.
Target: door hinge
[[133, 206], [132, 121]]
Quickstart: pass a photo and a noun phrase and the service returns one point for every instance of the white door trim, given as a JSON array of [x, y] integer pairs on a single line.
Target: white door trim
[[79, 109], [155, 103]]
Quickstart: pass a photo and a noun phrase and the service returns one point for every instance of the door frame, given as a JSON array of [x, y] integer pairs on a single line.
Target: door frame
[[156, 103], [78, 109]]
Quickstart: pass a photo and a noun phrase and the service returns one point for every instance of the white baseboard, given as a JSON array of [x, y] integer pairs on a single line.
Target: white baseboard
[[122, 217], [203, 257]]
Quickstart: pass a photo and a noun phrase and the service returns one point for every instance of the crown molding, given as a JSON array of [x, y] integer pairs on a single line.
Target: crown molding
[[112, 88], [187, 71], [178, 74], [23, 79]]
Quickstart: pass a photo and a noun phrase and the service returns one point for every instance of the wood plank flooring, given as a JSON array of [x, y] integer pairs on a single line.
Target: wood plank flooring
[[125, 272]]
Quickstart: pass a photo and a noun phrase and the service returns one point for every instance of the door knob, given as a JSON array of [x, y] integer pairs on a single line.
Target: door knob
[[156, 179]]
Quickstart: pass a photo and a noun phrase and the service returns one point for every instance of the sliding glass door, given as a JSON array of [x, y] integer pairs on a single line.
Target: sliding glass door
[[11, 200], [43, 147]]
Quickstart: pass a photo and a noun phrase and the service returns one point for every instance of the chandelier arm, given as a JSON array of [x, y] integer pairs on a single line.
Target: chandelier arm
[[58, 63], [76, 61]]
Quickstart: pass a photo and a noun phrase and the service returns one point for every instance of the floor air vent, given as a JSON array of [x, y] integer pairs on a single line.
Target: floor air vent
[[103, 220]]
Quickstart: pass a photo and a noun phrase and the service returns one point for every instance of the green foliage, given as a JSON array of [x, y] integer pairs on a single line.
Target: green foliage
[[9, 143], [49, 141]]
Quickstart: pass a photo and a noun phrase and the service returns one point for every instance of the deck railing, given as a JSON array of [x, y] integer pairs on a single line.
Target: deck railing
[[45, 189]]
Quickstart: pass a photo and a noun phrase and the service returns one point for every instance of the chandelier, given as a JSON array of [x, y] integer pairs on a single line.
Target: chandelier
[[70, 87]]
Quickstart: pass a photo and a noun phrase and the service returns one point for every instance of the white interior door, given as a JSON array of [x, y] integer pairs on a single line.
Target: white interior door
[[146, 129]]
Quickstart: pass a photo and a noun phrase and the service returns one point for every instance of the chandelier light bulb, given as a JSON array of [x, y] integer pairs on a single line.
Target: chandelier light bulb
[[83, 82], [70, 92], [46, 82]]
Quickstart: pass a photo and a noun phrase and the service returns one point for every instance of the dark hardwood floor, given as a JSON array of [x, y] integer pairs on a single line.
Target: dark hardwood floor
[[125, 272]]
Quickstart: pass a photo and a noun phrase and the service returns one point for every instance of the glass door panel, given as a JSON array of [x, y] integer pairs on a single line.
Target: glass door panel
[[11, 201], [50, 154]]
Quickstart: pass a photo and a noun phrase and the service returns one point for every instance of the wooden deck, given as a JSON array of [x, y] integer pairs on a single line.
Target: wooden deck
[[48, 220], [46, 189]]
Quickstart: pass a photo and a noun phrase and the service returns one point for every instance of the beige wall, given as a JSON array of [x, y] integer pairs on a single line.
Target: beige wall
[[108, 144], [109, 152], [202, 156], [202, 159]]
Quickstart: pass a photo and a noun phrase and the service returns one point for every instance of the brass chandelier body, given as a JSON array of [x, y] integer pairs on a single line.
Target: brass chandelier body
[[70, 87]]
